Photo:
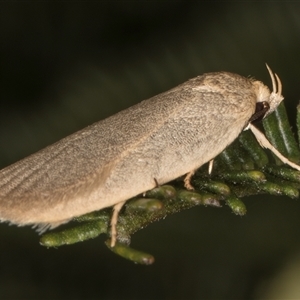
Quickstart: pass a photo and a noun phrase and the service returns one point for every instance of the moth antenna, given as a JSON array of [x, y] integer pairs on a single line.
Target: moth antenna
[[279, 85], [263, 141], [273, 79]]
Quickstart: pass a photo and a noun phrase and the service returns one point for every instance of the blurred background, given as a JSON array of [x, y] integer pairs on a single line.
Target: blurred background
[[66, 65]]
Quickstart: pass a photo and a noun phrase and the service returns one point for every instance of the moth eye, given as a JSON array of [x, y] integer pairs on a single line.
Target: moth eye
[[260, 111]]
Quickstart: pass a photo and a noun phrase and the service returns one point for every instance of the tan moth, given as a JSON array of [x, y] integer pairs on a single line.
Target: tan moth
[[150, 143]]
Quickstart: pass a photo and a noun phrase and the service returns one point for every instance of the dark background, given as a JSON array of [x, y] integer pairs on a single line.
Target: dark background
[[65, 65]]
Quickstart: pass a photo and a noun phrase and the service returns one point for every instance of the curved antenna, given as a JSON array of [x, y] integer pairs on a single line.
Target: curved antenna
[[273, 79], [279, 85]]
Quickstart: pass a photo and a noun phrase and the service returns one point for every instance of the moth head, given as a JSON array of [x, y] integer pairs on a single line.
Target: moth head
[[270, 99]]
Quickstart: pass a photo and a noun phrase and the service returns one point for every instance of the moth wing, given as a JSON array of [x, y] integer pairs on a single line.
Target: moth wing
[[121, 156]]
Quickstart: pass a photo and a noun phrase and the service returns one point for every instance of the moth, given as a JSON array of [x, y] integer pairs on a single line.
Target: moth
[[148, 144]]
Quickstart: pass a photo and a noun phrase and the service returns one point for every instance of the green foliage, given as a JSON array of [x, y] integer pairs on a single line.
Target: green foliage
[[243, 169]]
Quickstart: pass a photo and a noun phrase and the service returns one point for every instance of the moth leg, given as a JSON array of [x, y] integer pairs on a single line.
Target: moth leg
[[210, 166], [187, 180], [156, 183], [114, 221], [263, 141]]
